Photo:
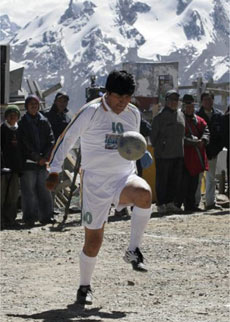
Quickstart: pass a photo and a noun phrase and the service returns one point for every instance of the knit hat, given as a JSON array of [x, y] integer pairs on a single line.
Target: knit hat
[[29, 98], [188, 99], [12, 108]]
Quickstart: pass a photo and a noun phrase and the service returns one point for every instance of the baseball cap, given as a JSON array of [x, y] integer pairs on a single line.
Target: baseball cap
[[61, 94], [171, 92]]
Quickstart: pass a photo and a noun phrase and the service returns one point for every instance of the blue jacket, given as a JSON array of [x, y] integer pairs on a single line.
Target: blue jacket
[[214, 125]]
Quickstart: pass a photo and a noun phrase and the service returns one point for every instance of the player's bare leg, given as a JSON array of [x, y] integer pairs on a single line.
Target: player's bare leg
[[139, 193], [88, 258]]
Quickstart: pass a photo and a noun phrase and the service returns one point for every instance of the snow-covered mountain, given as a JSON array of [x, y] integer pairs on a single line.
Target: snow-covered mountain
[[93, 37], [8, 29]]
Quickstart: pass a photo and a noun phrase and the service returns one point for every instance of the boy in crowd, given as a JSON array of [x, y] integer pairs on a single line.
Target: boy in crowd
[[37, 141], [11, 167]]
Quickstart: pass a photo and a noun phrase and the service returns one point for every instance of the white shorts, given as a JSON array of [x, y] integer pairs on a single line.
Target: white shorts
[[98, 193]]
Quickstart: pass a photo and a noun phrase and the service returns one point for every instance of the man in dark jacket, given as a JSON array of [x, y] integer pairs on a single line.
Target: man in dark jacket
[[37, 141], [57, 115], [167, 138], [213, 118], [11, 167]]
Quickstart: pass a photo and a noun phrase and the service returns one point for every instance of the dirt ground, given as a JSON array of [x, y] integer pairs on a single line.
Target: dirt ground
[[187, 281]]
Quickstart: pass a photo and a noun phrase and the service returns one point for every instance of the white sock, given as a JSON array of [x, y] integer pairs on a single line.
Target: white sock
[[139, 220], [87, 265]]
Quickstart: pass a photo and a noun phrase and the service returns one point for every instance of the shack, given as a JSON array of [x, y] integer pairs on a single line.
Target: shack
[[153, 80]]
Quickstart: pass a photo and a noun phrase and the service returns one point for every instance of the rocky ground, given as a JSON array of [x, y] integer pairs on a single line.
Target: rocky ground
[[187, 281]]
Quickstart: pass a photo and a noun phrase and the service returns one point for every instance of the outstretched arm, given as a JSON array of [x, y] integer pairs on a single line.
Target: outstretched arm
[[68, 139]]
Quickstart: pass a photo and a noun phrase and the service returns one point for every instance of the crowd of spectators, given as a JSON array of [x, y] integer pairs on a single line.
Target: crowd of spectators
[[186, 145], [26, 145]]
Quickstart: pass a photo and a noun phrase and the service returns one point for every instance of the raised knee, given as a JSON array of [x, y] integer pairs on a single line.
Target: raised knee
[[144, 198]]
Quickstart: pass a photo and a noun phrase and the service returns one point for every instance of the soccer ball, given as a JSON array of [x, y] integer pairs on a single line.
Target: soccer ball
[[132, 145]]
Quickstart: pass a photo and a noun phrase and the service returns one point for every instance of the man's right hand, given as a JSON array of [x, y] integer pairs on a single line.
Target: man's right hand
[[52, 181], [200, 144]]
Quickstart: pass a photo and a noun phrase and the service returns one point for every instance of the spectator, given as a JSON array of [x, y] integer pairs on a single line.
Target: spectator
[[195, 158], [59, 120], [57, 115], [11, 167], [213, 118], [107, 177], [37, 139], [167, 137]]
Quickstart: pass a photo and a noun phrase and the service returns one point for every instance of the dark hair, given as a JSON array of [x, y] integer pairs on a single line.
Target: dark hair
[[206, 94], [120, 82]]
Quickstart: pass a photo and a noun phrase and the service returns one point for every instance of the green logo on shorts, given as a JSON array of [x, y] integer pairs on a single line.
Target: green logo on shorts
[[87, 217]]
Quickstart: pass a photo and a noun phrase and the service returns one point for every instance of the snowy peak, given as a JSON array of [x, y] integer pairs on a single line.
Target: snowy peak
[[78, 11], [77, 39], [220, 16], [193, 28], [8, 28], [126, 14], [182, 5], [127, 10]]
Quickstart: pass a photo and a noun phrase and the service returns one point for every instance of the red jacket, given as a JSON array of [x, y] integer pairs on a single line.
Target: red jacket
[[195, 157]]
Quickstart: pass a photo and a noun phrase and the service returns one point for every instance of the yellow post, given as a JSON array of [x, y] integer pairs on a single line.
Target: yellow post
[[149, 174]]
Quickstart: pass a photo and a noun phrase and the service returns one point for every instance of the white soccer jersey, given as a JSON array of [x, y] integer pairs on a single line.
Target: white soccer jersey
[[98, 128]]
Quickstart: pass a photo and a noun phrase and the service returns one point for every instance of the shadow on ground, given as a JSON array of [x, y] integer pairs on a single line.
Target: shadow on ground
[[72, 311]]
